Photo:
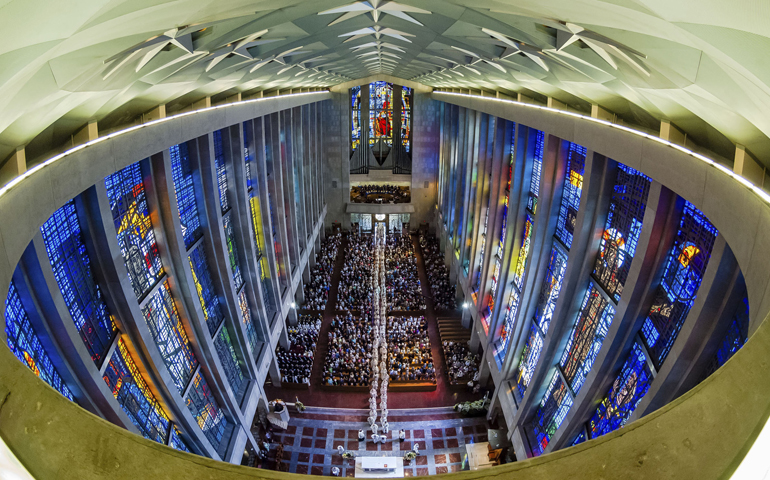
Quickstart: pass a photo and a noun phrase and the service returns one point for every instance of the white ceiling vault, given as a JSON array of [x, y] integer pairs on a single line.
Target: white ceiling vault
[[700, 63]]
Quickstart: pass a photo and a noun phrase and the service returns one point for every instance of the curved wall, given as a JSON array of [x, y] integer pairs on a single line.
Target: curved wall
[[704, 433]]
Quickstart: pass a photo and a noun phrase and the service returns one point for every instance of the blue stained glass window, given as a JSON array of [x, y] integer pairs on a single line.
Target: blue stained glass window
[[737, 335], [570, 200], [229, 359], [232, 250], [169, 334], [181, 171], [549, 292], [586, 338], [406, 117], [24, 343], [529, 359], [72, 269], [552, 410], [205, 409], [621, 230], [355, 131], [136, 238], [204, 286], [134, 396], [685, 265], [501, 346], [177, 442], [219, 161], [626, 392], [537, 171], [247, 130], [580, 438], [251, 332]]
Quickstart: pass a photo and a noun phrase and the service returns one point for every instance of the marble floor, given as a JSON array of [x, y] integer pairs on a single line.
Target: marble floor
[[311, 440]]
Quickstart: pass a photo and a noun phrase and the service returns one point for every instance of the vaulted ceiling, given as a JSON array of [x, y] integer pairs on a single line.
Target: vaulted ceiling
[[699, 63]]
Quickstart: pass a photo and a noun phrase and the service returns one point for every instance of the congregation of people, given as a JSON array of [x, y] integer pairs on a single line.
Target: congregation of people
[[317, 290], [402, 280], [409, 355], [353, 292], [374, 193], [438, 275], [349, 352], [296, 364], [462, 364]]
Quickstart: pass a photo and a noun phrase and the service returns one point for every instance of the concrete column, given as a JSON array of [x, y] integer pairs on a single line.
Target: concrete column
[[553, 103], [573, 286], [102, 229], [240, 215], [53, 308], [216, 248], [523, 98], [89, 132], [155, 114], [748, 167], [670, 132], [627, 312], [204, 102], [183, 288], [14, 166], [600, 113], [709, 306]]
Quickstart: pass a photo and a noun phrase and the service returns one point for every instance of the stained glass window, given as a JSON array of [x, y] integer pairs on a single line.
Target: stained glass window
[[521, 260], [573, 187], [482, 247], [181, 171], [177, 442], [219, 161], [136, 239], [537, 172], [232, 250], [500, 250], [204, 286], [685, 265], [549, 292], [549, 415], [621, 231], [406, 117], [626, 392], [529, 358], [579, 438], [251, 332], [501, 346], [134, 396], [229, 359], [381, 113], [737, 335], [24, 343], [586, 338], [204, 408], [247, 131], [355, 133], [72, 269], [169, 334], [259, 235]]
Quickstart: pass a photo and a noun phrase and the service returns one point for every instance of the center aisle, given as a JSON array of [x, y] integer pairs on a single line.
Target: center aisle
[[317, 396]]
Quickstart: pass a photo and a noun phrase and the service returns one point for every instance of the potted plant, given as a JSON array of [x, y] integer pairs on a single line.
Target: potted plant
[[409, 456], [348, 455], [299, 405]]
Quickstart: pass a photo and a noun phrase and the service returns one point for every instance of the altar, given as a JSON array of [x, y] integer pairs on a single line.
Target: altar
[[379, 467]]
